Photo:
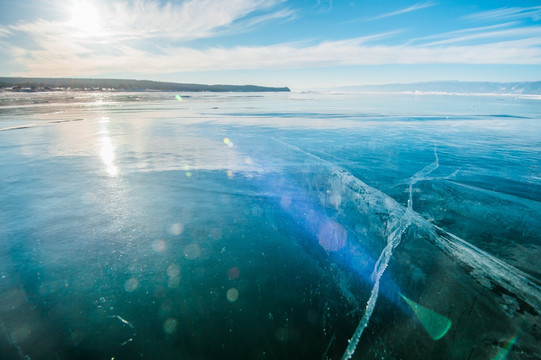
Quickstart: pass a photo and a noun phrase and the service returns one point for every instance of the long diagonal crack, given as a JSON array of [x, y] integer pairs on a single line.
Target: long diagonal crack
[[397, 221]]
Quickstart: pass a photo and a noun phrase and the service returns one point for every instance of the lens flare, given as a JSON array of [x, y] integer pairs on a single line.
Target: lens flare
[[506, 349], [436, 325]]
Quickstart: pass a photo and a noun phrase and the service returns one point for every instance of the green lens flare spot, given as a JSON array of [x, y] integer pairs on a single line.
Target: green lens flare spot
[[506, 349], [178, 97], [436, 325]]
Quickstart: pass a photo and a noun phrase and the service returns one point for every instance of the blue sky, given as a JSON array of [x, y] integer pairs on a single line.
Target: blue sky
[[302, 44]]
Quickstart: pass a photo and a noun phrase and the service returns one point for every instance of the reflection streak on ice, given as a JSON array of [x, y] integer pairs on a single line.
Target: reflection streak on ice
[[107, 153], [107, 150]]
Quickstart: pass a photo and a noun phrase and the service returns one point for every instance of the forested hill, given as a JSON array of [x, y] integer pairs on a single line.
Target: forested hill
[[43, 84]]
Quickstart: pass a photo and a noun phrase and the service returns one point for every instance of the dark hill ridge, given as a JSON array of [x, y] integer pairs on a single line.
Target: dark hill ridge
[[125, 85]]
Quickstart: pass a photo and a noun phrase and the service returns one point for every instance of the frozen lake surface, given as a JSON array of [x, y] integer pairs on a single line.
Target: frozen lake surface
[[269, 226]]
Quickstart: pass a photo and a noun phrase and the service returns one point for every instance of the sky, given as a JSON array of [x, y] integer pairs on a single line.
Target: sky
[[303, 44]]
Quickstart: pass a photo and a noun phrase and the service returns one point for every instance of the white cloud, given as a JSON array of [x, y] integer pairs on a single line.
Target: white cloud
[[280, 14], [507, 13], [4, 32], [331, 53], [461, 32], [189, 20], [147, 19], [408, 9], [521, 32], [323, 6], [60, 50]]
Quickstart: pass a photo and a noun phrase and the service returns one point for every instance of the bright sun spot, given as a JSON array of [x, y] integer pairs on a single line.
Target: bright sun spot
[[85, 19], [107, 153]]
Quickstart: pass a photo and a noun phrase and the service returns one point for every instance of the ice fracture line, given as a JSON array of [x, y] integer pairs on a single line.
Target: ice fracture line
[[399, 218], [393, 240], [421, 175]]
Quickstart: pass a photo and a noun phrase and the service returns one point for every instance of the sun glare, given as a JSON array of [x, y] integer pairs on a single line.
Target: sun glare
[[85, 19]]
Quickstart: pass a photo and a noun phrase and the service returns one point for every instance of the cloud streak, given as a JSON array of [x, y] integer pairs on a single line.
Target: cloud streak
[[521, 32], [189, 20], [408, 9], [331, 53], [149, 19], [508, 13], [461, 32], [4, 32]]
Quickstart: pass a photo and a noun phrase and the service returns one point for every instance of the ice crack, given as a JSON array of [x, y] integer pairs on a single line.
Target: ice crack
[[422, 175], [393, 240], [371, 198]]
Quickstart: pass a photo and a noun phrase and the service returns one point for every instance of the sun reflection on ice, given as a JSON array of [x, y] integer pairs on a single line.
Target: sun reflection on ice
[[107, 151]]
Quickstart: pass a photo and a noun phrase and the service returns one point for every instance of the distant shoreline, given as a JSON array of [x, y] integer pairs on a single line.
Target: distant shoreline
[[21, 84], [450, 87]]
